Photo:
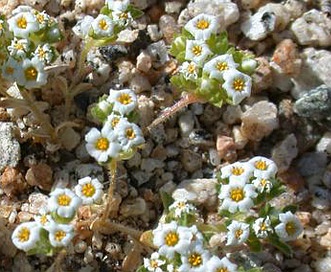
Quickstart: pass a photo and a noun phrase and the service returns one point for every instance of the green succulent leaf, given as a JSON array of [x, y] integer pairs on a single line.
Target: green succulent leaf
[[135, 13], [283, 247], [218, 44]]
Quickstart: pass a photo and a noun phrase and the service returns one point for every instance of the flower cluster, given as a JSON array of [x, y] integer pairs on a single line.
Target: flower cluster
[[52, 229], [181, 248], [245, 185], [120, 136], [115, 16], [27, 49], [209, 67]]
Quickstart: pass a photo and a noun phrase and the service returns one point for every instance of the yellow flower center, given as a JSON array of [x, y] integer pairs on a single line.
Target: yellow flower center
[[222, 66], [124, 99], [197, 50], [154, 264], [59, 235], [41, 53], [88, 190], [222, 269], [237, 171], [19, 46], [261, 165], [263, 182], [43, 219], [114, 122], [238, 84], [290, 228], [191, 68], [102, 144], [24, 235], [171, 238], [9, 70], [237, 194], [64, 200], [31, 73], [263, 227], [130, 133], [195, 259], [40, 18], [181, 204], [238, 233], [103, 24], [124, 16], [202, 24], [22, 22]]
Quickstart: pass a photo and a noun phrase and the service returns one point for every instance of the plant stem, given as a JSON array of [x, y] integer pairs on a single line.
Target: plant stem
[[112, 166], [44, 123], [187, 99]]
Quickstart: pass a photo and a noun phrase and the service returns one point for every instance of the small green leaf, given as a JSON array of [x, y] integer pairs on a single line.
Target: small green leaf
[[218, 44], [167, 200], [283, 247], [254, 243], [105, 10], [178, 46], [290, 208], [142, 269], [135, 13]]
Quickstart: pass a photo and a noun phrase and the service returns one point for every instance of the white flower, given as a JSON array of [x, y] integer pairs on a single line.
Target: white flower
[[237, 195], [171, 238], [215, 264], [18, 48], [60, 235], [32, 74], [129, 135], [197, 51], [26, 235], [89, 190], [181, 207], [262, 184], [238, 169], [113, 119], [249, 64], [195, 260], [118, 5], [124, 100], [238, 233], [154, 263], [103, 26], [43, 219], [262, 227], [10, 69], [22, 24], [263, 167], [237, 85], [83, 26], [217, 66], [64, 202], [44, 53], [122, 18], [102, 145], [189, 70], [42, 18], [202, 26], [289, 227]]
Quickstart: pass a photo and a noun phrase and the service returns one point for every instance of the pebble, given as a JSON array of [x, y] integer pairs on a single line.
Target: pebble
[[315, 105], [37, 201], [173, 6], [326, 240], [312, 163], [133, 207], [322, 264], [198, 191], [226, 148], [12, 182], [321, 198], [114, 249], [154, 33], [313, 29], [149, 164], [259, 120], [323, 228], [141, 176], [324, 144], [168, 27], [80, 247], [125, 68], [159, 53], [263, 76], [214, 158], [239, 139], [232, 115], [201, 137], [191, 160], [303, 268], [127, 36], [269, 18], [186, 123], [40, 175], [284, 152], [9, 147], [139, 83], [89, 169], [144, 61]]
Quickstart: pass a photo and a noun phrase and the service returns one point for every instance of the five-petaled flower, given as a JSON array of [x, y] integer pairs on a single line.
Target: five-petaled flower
[[89, 190], [26, 235], [289, 227], [238, 233], [202, 26]]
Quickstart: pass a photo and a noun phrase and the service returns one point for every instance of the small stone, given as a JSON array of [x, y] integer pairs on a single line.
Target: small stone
[[154, 33], [191, 160], [159, 53], [125, 69], [303, 268], [239, 139], [40, 175], [159, 153], [168, 27], [37, 201], [24, 216], [88, 255], [312, 163], [12, 217], [321, 198], [293, 179], [214, 158], [97, 240], [149, 164], [12, 182], [232, 115], [141, 177], [322, 264], [9, 147], [323, 228], [173, 6], [262, 78], [127, 36], [312, 28], [89, 169], [7, 248], [226, 148], [114, 249], [324, 144], [80, 247], [201, 137], [259, 120], [198, 191], [186, 123], [326, 240], [284, 152], [140, 83], [133, 207], [144, 62]]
